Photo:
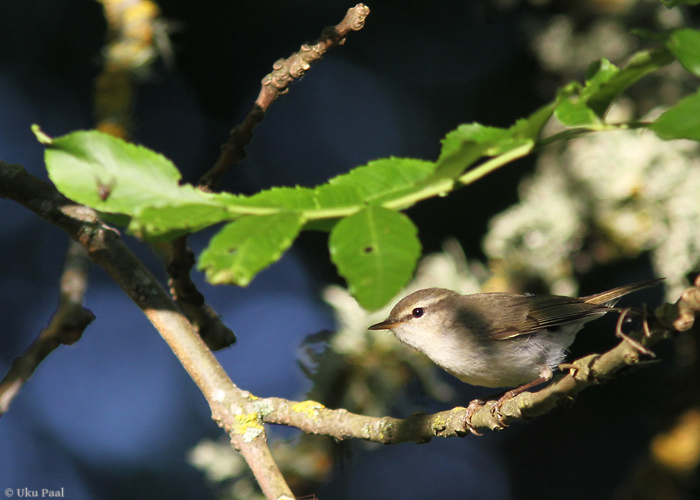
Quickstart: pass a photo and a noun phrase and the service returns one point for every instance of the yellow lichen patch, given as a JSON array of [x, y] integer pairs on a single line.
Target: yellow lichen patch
[[248, 425], [308, 408], [440, 422], [679, 448]]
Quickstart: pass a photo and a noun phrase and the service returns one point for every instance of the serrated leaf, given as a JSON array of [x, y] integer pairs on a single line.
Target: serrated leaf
[[380, 178], [375, 250], [247, 246], [681, 121], [685, 45], [110, 175]]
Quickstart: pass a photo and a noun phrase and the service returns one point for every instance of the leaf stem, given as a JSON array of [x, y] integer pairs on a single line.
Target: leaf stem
[[495, 163]]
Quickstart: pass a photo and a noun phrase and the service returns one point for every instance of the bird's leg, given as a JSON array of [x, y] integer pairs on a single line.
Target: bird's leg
[[502, 397], [545, 376], [474, 405]]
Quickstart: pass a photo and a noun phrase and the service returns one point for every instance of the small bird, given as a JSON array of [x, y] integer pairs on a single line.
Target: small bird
[[497, 339]]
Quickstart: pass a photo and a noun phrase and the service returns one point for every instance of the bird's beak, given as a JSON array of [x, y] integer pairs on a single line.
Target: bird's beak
[[387, 324]]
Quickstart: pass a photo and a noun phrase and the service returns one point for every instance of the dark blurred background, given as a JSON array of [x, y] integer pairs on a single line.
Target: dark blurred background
[[114, 415]]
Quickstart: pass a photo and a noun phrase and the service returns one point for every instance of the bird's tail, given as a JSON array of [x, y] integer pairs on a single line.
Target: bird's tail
[[610, 297]]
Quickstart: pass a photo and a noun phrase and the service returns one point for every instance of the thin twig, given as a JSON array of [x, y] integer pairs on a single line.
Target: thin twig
[[285, 71], [66, 326]]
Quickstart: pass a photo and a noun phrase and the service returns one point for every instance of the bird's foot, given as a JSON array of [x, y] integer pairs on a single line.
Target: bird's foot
[[471, 408], [496, 410]]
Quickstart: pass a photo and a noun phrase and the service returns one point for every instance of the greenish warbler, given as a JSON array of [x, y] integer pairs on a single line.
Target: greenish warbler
[[497, 339]]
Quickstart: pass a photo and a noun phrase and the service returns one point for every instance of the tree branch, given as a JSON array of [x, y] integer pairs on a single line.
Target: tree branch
[[66, 326], [231, 408], [285, 71], [206, 322]]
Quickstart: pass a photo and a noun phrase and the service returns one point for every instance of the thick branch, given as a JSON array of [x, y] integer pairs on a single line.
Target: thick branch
[[285, 71], [66, 326], [231, 407]]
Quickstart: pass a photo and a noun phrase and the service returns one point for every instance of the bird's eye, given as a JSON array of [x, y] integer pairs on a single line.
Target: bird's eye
[[418, 312]]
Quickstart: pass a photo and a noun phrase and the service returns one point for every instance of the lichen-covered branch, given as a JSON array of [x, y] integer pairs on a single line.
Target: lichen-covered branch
[[66, 326], [284, 72]]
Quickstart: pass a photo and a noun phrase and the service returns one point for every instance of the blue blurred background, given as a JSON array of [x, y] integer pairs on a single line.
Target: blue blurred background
[[114, 415]]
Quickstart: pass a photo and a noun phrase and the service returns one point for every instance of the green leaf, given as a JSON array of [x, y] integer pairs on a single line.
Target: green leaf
[[598, 74], [575, 113], [110, 175], [529, 128], [284, 198], [681, 121], [685, 45], [245, 247], [381, 178], [379, 181], [466, 144], [375, 250], [168, 222], [604, 84]]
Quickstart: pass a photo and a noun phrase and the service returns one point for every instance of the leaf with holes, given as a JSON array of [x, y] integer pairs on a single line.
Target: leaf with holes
[[375, 250]]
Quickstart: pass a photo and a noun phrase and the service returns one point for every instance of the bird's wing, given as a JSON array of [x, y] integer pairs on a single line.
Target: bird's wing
[[531, 313]]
